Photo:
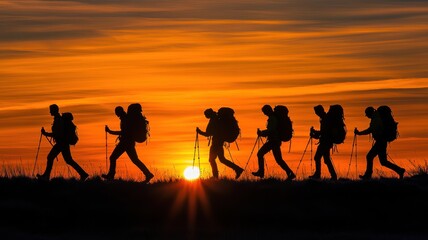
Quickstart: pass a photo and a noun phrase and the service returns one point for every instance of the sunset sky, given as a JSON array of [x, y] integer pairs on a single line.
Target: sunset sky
[[178, 58]]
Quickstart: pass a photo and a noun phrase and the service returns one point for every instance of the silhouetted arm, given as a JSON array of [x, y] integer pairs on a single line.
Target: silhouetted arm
[[47, 134], [364, 132], [199, 131], [262, 133], [315, 133], [107, 129]]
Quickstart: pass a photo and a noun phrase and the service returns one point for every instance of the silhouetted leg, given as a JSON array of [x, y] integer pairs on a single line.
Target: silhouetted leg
[[56, 149], [260, 156], [370, 157], [383, 158], [328, 162], [227, 162], [317, 160], [66, 154], [211, 160], [132, 153], [117, 152], [277, 154]]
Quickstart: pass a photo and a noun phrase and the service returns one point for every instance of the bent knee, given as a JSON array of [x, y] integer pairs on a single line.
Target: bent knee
[[370, 156], [69, 160], [383, 161], [260, 154]]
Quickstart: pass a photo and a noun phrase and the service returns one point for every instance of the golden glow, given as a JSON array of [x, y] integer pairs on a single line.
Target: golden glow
[[191, 173], [190, 202]]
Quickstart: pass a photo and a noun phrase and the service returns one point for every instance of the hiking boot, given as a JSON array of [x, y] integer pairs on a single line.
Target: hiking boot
[[107, 176], [258, 174], [290, 177], [42, 177], [315, 176], [149, 176], [213, 178], [238, 173], [83, 177], [401, 173], [365, 177]]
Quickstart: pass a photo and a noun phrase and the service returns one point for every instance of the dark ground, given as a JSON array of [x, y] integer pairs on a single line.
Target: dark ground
[[225, 209]]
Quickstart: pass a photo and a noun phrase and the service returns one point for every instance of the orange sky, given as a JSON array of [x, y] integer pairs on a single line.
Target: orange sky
[[179, 58]]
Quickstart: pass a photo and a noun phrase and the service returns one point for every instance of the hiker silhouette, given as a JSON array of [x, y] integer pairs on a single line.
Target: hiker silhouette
[[61, 145], [376, 128], [273, 144], [214, 132], [126, 141], [324, 145]]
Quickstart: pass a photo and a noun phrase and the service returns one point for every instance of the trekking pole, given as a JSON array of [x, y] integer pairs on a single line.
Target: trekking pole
[[257, 140], [199, 155], [352, 153], [230, 154], [194, 152], [37, 154], [311, 154], [309, 141], [356, 157], [106, 153]]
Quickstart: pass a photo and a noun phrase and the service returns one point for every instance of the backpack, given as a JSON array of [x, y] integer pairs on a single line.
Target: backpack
[[137, 124], [227, 124], [390, 126], [285, 125], [336, 128], [70, 129]]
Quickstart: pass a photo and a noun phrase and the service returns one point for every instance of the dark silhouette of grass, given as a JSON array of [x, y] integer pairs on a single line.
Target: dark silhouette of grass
[[214, 209]]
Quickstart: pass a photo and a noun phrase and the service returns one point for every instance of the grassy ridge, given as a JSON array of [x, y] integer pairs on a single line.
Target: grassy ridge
[[209, 209]]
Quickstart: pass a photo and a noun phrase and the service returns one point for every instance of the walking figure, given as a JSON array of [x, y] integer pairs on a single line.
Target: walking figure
[[61, 145], [324, 145], [215, 130], [126, 141], [273, 144], [379, 134]]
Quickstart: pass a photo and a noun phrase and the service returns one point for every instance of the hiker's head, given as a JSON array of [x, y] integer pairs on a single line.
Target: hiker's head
[[53, 109], [209, 113], [319, 110], [369, 111], [119, 111], [267, 110]]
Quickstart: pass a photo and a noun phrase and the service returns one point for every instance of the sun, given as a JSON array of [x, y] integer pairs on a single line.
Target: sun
[[191, 173]]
